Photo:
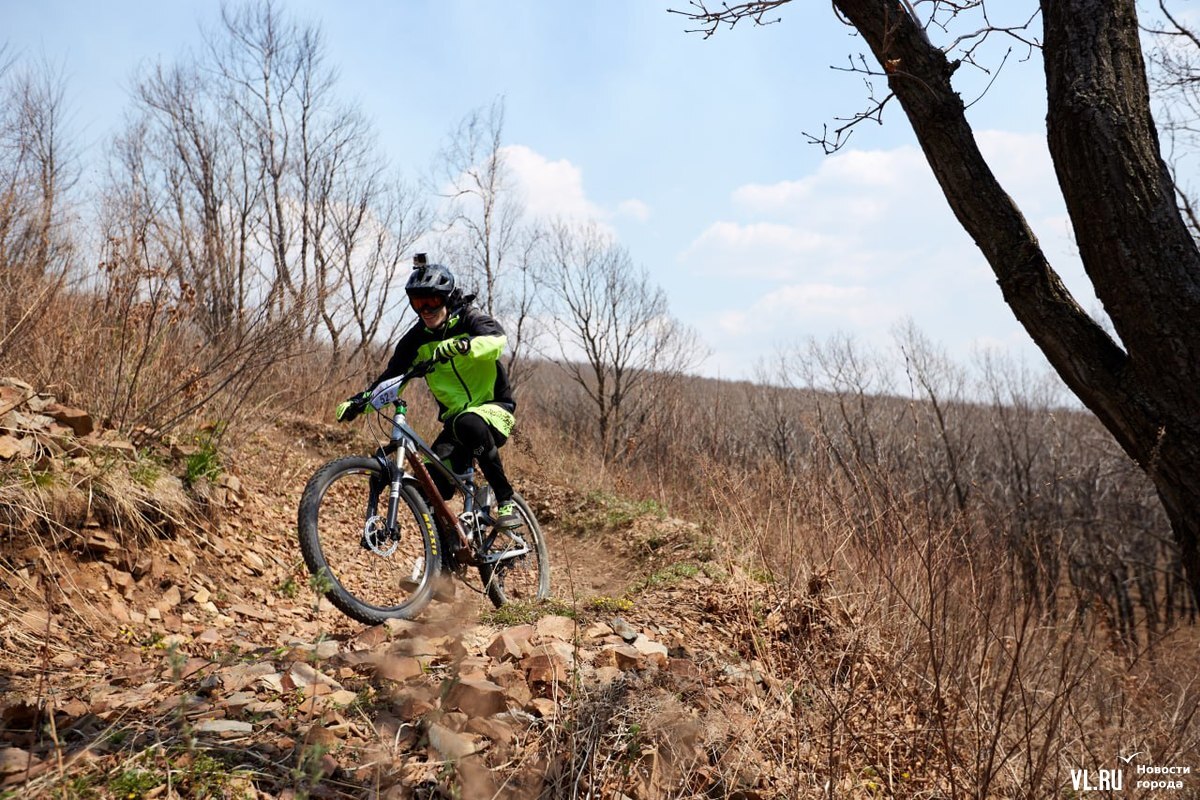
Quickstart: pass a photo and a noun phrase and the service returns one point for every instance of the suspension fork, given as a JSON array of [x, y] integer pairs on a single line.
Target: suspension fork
[[390, 476], [440, 509]]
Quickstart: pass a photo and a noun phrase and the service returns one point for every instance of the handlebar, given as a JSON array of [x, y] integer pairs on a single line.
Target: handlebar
[[389, 391]]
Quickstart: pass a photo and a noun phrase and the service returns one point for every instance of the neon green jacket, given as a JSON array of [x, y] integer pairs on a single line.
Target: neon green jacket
[[474, 381]]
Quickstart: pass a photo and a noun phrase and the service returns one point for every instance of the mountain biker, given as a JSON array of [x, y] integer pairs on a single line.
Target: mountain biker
[[475, 403]]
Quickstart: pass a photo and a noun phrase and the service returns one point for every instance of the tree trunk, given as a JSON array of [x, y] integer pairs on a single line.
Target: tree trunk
[[1133, 242]]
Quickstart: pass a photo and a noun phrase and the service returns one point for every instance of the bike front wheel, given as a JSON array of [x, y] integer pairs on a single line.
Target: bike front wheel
[[368, 571], [516, 567]]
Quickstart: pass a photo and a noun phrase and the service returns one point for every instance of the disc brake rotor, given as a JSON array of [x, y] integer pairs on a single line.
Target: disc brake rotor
[[376, 539]]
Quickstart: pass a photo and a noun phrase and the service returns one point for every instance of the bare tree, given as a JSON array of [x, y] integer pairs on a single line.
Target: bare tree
[[373, 226], [773, 405], [614, 332], [151, 357], [1174, 63], [273, 78], [272, 194], [853, 433], [487, 236], [248, 217], [36, 172], [182, 148], [1136, 248], [942, 385], [518, 305], [1023, 475], [483, 216]]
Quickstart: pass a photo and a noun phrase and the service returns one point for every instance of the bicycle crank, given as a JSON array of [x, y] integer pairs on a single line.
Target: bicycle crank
[[518, 549]]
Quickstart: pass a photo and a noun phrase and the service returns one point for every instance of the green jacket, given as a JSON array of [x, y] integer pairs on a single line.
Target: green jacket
[[474, 381]]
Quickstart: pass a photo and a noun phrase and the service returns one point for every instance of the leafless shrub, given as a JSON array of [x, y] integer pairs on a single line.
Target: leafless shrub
[[921, 665], [968, 592], [247, 219], [135, 357]]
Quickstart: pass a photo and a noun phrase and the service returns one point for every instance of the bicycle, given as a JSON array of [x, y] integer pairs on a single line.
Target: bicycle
[[371, 545]]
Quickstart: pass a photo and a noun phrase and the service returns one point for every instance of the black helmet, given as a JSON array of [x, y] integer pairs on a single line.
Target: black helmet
[[429, 279]]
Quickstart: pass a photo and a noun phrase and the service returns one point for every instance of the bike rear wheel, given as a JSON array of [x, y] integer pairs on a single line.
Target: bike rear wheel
[[517, 578], [367, 572]]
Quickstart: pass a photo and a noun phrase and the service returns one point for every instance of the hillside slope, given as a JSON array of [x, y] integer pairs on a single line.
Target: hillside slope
[[179, 652]]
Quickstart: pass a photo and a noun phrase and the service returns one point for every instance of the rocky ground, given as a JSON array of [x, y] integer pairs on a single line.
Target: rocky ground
[[160, 640]]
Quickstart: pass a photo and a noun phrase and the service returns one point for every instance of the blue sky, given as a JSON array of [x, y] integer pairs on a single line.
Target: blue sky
[[690, 150]]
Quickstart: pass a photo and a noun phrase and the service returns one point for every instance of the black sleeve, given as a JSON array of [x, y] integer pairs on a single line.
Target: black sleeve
[[477, 323]]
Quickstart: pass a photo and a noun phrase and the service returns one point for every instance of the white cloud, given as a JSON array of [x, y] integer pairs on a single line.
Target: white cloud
[[555, 190], [770, 250], [770, 197], [860, 182], [864, 241], [868, 239], [634, 208], [856, 218], [829, 306], [550, 189]]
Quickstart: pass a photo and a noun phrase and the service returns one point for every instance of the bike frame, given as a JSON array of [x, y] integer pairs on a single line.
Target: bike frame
[[407, 446]]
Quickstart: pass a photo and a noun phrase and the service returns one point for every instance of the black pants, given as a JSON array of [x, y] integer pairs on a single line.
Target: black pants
[[465, 437]]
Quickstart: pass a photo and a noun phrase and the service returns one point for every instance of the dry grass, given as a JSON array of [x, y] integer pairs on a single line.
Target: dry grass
[[119, 495], [891, 648], [923, 668], [884, 653]]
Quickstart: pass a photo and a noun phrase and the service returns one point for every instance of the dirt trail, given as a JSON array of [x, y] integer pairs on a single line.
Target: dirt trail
[[216, 635]]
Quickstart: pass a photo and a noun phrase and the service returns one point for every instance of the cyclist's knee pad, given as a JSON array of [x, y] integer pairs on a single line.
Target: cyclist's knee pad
[[490, 454]]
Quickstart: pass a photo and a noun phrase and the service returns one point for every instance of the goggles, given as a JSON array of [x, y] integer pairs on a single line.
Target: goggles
[[427, 305]]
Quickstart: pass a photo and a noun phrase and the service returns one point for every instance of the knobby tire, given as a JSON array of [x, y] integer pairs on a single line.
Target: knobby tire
[[363, 584]]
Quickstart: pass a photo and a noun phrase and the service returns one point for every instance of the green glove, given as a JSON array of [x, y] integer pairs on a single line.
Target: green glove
[[450, 348], [351, 407]]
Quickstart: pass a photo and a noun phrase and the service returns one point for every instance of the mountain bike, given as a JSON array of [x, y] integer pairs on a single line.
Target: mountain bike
[[376, 532]]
